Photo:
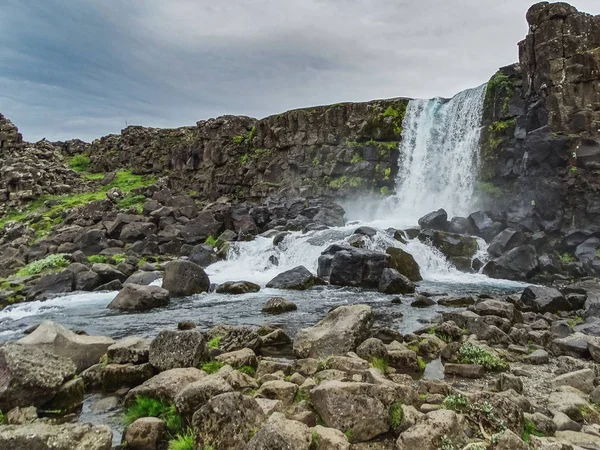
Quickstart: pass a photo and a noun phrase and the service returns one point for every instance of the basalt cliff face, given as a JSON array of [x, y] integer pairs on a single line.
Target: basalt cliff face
[[540, 159]]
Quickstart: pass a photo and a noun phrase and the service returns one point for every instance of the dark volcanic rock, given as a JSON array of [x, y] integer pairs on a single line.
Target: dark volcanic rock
[[545, 299], [392, 282], [519, 264], [184, 278], [437, 220], [48, 285], [135, 297], [298, 279], [504, 241], [237, 287]]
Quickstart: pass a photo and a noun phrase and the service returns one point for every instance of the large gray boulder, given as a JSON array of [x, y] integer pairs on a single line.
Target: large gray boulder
[[341, 331], [520, 263], [544, 299], [195, 395], [43, 436], [134, 297], [393, 282], [429, 431], [166, 385], [134, 350], [506, 240], [83, 350], [184, 278], [30, 376], [349, 266], [237, 287], [176, 349], [298, 278], [52, 284], [281, 433], [404, 263]]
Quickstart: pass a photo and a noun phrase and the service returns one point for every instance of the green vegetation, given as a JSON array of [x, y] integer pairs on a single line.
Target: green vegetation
[[379, 363], [529, 429], [2, 418], [472, 354], [356, 158], [498, 132], [80, 163], [502, 88], [212, 367], [566, 258], [573, 170], [398, 117], [345, 182], [456, 402], [574, 322], [238, 139], [387, 173], [446, 444], [183, 441], [149, 407], [349, 435], [316, 162], [248, 370], [214, 342], [50, 263], [247, 138], [323, 364], [119, 258], [396, 415], [301, 396], [489, 189], [103, 360], [132, 201], [422, 364], [383, 145], [211, 241], [100, 259], [385, 191], [314, 440]]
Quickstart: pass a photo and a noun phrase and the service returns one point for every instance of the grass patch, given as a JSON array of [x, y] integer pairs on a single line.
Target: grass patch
[[529, 429], [119, 258], [301, 396], [472, 354], [345, 182], [314, 440], [97, 259], [132, 201], [349, 435], [212, 367], [566, 258], [248, 370], [356, 158], [211, 241], [396, 415], [48, 264], [379, 363], [183, 441], [214, 342], [422, 364], [2, 418], [149, 407], [80, 163]]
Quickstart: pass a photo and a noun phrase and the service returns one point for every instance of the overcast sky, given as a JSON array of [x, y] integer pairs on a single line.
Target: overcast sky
[[83, 68]]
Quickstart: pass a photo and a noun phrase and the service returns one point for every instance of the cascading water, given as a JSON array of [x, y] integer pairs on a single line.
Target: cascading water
[[439, 154]]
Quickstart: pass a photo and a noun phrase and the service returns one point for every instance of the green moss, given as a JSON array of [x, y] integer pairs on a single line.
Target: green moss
[[566, 258], [349, 435], [396, 416], [100, 259], [379, 363], [2, 418], [422, 364], [238, 139], [80, 163], [356, 158], [248, 370], [301, 396], [132, 201], [387, 173], [149, 407], [50, 263], [211, 241], [456, 402], [500, 87], [345, 182], [212, 367], [119, 258], [314, 440], [315, 162], [244, 158], [529, 429], [489, 189], [214, 342]]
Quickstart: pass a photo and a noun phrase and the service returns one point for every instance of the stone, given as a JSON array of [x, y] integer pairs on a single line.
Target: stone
[[464, 370], [481, 224], [579, 440], [21, 416], [562, 422], [228, 421], [330, 439], [538, 357], [372, 348], [453, 246], [177, 349], [43, 436], [298, 278], [392, 282], [147, 433], [184, 278], [349, 266], [543, 299], [83, 350], [575, 345], [135, 297], [520, 263], [341, 331], [117, 376], [507, 440], [143, 278], [504, 241], [52, 284], [283, 391], [68, 398], [237, 288], [166, 385], [239, 358], [195, 395], [281, 433], [543, 424], [428, 432], [436, 220], [362, 407], [278, 305], [108, 273], [507, 381], [404, 263], [133, 350], [581, 379], [495, 308]]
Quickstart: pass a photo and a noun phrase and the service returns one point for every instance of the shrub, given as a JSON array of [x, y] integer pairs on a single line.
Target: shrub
[[183, 441], [214, 342], [212, 366], [472, 354], [149, 407], [49, 263], [396, 415], [100, 259], [456, 402], [80, 163]]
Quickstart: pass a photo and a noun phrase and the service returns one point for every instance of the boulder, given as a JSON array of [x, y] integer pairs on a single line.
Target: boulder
[[495, 308], [451, 245], [195, 395], [544, 299], [428, 432], [436, 220], [582, 380], [278, 390], [349, 266], [330, 439], [575, 346], [404, 263], [135, 297], [298, 278], [43, 436], [587, 251], [143, 278], [506, 240], [363, 408], [507, 440], [147, 433], [278, 306], [341, 331], [228, 421], [133, 350], [54, 283], [482, 225], [520, 263], [392, 282], [184, 278], [166, 385], [83, 350], [239, 358], [281, 433], [178, 349], [108, 273], [237, 287], [117, 376], [68, 398], [31, 376]]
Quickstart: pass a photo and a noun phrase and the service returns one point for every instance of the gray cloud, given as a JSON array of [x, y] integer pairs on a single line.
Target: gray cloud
[[83, 69]]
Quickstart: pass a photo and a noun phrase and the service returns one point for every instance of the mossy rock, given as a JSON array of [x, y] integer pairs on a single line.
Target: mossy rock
[[404, 263]]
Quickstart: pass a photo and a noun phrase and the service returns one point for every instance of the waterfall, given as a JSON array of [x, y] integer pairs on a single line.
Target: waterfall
[[439, 154]]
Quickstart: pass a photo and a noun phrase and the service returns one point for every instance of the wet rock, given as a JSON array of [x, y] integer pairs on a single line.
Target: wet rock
[[544, 299], [228, 421], [133, 350], [278, 305], [147, 433], [404, 263], [143, 278], [184, 278], [436, 220], [237, 287], [341, 331], [166, 385], [392, 282], [279, 433], [111, 286], [451, 245], [506, 240], [361, 407], [456, 302], [116, 376], [68, 398], [177, 349], [299, 279], [134, 297], [44, 436], [83, 350], [349, 266], [482, 225], [520, 263], [421, 301], [49, 285], [428, 432]]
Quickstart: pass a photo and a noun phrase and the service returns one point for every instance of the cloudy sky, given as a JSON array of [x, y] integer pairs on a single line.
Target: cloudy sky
[[85, 68]]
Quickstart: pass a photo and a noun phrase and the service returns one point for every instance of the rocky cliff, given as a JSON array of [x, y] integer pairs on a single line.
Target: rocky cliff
[[541, 139]]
